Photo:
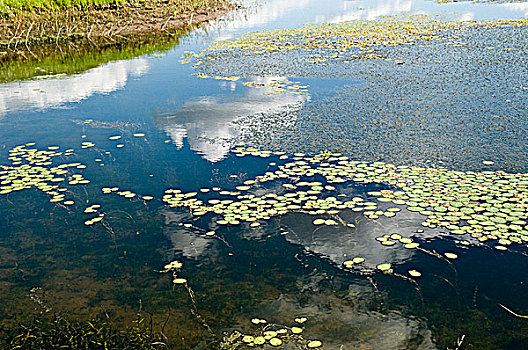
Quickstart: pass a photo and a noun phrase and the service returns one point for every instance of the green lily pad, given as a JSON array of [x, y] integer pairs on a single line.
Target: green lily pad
[[450, 255], [384, 267]]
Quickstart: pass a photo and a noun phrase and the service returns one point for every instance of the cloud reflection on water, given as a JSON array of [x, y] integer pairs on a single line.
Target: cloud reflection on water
[[55, 92], [207, 121]]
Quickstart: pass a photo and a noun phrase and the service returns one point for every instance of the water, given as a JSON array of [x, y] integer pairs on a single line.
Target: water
[[185, 128]]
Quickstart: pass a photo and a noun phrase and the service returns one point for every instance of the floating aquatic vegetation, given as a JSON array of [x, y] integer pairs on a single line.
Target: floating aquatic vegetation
[[415, 273], [326, 43], [125, 193], [92, 208], [384, 267], [87, 144], [486, 205], [314, 344], [350, 39], [296, 330], [272, 334], [174, 267], [32, 168], [103, 125], [277, 85], [387, 112], [301, 319], [258, 320], [451, 255], [94, 220]]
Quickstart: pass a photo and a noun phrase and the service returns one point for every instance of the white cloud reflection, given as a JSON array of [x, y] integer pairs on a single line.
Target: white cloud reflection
[[57, 91], [272, 14], [206, 122]]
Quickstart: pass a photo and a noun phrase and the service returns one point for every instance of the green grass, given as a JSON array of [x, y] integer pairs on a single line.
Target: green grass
[[58, 333], [11, 6], [8, 6], [84, 55]]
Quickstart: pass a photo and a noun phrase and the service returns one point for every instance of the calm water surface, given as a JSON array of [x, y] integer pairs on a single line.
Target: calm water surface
[[177, 132]]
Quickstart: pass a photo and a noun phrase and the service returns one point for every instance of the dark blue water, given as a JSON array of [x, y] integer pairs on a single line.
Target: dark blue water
[[185, 128]]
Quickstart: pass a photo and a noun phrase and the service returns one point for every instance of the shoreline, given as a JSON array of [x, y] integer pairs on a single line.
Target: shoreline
[[26, 35]]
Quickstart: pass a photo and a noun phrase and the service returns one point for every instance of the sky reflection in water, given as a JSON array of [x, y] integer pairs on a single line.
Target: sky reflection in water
[[199, 115]]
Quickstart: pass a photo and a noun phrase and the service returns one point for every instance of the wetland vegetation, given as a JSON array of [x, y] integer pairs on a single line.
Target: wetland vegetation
[[266, 183], [64, 36]]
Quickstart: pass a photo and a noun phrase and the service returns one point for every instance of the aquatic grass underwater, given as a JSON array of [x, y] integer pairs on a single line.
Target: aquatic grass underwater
[[142, 216]]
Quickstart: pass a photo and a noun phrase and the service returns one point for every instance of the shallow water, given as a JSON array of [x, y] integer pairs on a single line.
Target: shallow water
[[177, 131]]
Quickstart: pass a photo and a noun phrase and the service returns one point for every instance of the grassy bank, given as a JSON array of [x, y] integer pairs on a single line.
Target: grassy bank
[[30, 29], [71, 57], [30, 21], [8, 7]]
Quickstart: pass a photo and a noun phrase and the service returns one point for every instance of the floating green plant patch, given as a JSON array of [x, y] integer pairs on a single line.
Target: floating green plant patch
[[328, 43], [358, 260], [296, 330], [270, 334], [258, 321], [384, 267], [259, 340], [301, 319], [411, 245], [415, 273], [32, 168], [275, 342], [450, 255], [314, 344], [486, 205], [443, 197]]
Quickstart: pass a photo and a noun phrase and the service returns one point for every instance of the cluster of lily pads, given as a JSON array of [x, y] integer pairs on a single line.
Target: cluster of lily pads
[[274, 335], [93, 209], [486, 205], [173, 267], [349, 40], [337, 42], [32, 168], [125, 193], [277, 85]]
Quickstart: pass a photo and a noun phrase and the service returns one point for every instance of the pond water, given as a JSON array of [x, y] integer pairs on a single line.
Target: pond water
[[153, 138]]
